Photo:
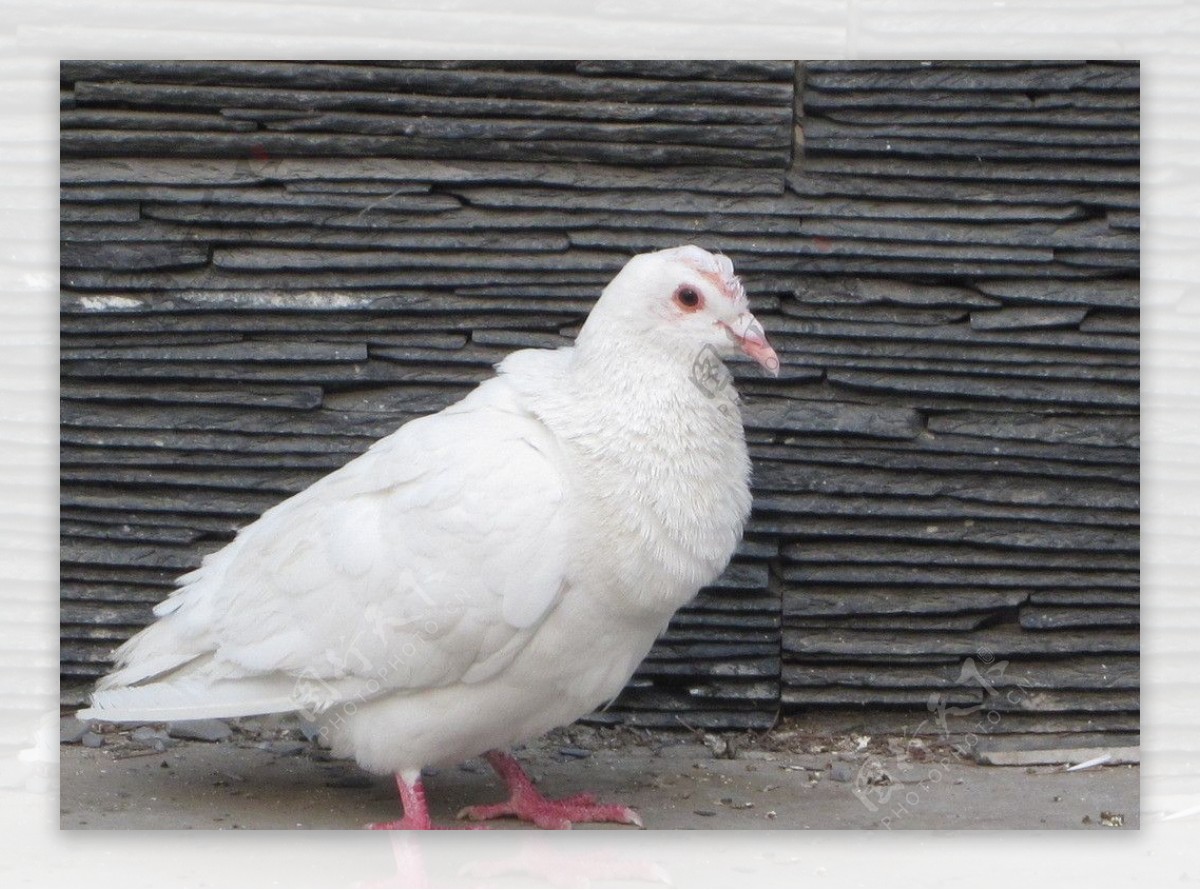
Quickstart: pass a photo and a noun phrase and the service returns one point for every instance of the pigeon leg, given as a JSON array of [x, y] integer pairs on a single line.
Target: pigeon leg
[[526, 802], [416, 812]]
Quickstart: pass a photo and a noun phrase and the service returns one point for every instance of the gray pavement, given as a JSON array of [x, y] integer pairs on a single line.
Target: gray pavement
[[274, 778]]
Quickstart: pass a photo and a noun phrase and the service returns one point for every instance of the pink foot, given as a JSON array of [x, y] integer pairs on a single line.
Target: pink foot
[[525, 802], [416, 812]]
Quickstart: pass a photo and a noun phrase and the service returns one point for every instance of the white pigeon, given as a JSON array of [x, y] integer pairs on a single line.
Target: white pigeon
[[489, 572]]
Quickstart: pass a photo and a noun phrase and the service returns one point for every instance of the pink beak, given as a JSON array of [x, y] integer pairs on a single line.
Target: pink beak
[[748, 334]]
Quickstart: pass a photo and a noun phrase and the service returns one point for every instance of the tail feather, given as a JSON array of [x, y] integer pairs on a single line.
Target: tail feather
[[194, 699]]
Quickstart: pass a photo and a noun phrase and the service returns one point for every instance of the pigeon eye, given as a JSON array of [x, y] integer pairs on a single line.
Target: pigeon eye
[[688, 298]]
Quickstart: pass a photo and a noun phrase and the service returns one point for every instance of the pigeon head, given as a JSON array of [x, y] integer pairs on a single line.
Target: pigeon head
[[681, 301]]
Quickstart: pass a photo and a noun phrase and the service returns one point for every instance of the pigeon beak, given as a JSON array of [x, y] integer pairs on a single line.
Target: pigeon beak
[[748, 334]]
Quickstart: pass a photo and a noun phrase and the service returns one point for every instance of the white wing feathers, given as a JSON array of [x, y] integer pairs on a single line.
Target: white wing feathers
[[430, 559]]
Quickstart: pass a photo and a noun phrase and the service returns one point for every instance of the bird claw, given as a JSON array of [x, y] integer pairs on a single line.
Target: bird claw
[[553, 815], [416, 825]]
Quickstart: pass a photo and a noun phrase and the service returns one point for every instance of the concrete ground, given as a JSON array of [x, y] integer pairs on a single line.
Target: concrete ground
[[272, 777]]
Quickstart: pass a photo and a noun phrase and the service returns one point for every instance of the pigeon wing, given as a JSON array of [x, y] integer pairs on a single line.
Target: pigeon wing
[[431, 559]]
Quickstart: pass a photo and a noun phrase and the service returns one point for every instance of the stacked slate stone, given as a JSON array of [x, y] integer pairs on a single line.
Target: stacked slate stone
[[266, 266]]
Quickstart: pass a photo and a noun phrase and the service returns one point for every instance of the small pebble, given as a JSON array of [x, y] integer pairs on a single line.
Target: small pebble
[[91, 739], [200, 730], [71, 731], [577, 753], [149, 737], [705, 812], [284, 748]]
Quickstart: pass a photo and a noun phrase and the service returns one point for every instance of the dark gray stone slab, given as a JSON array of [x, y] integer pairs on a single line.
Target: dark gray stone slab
[[668, 698], [633, 201], [1091, 597], [842, 696], [961, 148], [1066, 429], [1046, 617], [1091, 235], [431, 369], [998, 171], [818, 100], [840, 289], [1001, 642], [967, 486], [336, 310], [211, 525], [957, 334], [309, 75], [280, 482], [795, 506], [991, 354], [1063, 99], [1068, 464], [129, 576], [1090, 461], [775, 136], [116, 212], [515, 339], [987, 576], [743, 576], [973, 189], [1124, 219], [243, 504], [1057, 700], [958, 554], [1037, 317], [1100, 321], [224, 171], [690, 70], [234, 420], [254, 396], [716, 718], [1109, 294], [816, 417], [404, 398], [1114, 261], [83, 455], [827, 66], [724, 622], [427, 271], [126, 119], [160, 556], [1070, 672], [254, 103], [247, 351], [133, 143], [995, 533], [1093, 369], [802, 605], [1120, 118], [956, 622], [1046, 131], [792, 254], [811, 203], [72, 528], [403, 197], [874, 314], [342, 231], [1043, 392], [973, 80], [109, 613], [741, 669]]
